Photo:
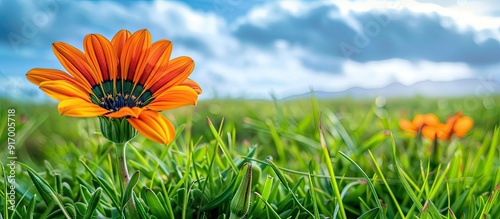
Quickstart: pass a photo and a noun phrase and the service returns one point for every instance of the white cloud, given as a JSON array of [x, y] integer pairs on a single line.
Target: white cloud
[[380, 73]]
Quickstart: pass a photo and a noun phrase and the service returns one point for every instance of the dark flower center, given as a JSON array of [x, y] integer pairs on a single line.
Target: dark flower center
[[114, 103], [125, 94]]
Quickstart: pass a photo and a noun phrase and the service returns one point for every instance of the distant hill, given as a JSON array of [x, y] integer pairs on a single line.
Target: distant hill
[[425, 88]]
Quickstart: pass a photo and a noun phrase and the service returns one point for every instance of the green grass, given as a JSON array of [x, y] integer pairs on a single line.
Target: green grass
[[310, 158]]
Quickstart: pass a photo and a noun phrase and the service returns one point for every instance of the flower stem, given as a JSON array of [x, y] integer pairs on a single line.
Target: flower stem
[[130, 210]]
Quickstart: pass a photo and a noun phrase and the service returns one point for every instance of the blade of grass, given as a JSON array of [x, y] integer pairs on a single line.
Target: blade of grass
[[341, 130], [381, 175], [93, 202], [169, 209], [210, 170], [48, 194], [287, 170], [31, 207], [276, 139], [127, 194], [140, 207], [6, 203], [222, 145], [265, 193], [333, 180], [431, 209], [186, 182], [368, 181], [491, 200], [437, 184], [371, 214], [283, 180], [401, 176], [109, 190], [269, 207], [154, 204], [424, 188], [492, 155], [312, 190], [221, 198]]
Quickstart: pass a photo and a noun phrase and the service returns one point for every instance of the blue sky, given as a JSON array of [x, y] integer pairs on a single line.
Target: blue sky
[[250, 49]]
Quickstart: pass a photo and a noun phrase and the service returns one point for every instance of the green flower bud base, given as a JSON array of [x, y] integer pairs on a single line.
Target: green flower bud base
[[117, 130], [241, 201]]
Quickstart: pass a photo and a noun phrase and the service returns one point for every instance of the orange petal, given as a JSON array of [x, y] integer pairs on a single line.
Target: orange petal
[[452, 119], [119, 40], [406, 125], [101, 56], [177, 71], [441, 131], [444, 131], [134, 53], [462, 126], [74, 62], [429, 132], [418, 121], [154, 126], [192, 84], [431, 119], [174, 97], [77, 107], [39, 75], [126, 111], [61, 90], [156, 63]]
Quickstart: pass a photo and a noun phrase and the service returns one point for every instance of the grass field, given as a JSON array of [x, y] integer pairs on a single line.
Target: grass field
[[65, 168]]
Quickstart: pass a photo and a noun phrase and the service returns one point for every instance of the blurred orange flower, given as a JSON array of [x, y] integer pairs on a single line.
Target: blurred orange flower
[[441, 131], [430, 127], [418, 122], [460, 125]]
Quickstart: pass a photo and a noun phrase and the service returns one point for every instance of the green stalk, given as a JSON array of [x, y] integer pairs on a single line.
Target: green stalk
[[333, 180], [130, 210]]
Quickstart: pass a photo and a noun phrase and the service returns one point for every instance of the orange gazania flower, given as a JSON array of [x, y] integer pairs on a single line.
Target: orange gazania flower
[[418, 122], [456, 125], [460, 124], [440, 130], [128, 78]]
